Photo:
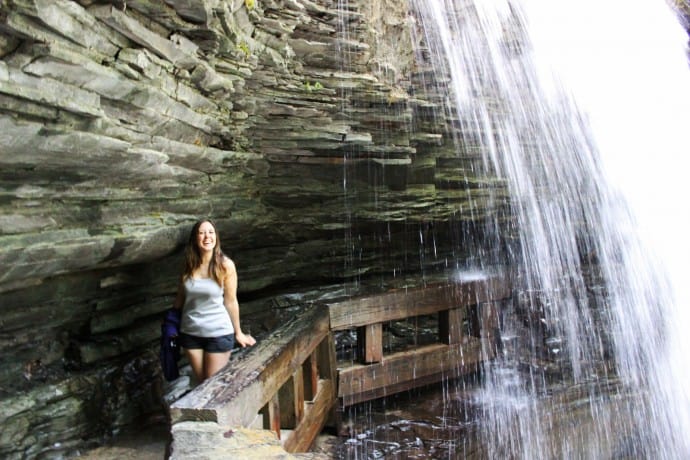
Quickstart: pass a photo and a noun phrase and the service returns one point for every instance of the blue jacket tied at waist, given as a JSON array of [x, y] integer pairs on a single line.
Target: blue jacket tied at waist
[[170, 350]]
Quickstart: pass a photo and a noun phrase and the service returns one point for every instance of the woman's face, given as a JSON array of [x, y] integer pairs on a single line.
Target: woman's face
[[206, 237]]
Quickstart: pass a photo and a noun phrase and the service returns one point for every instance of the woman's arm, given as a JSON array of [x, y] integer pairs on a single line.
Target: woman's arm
[[231, 303]]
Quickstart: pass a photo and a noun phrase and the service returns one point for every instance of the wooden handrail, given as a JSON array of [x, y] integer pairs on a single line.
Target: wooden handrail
[[455, 354], [406, 303], [248, 391]]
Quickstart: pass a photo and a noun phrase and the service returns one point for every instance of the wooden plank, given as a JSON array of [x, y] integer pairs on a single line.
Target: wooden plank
[[450, 324], [392, 389], [406, 303], [404, 370], [235, 395], [370, 343], [315, 415]]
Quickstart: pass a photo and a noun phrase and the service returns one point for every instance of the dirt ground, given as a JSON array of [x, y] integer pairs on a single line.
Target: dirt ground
[[149, 443]]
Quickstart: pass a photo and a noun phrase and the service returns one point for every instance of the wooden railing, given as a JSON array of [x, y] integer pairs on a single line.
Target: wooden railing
[[289, 383], [286, 384], [461, 344]]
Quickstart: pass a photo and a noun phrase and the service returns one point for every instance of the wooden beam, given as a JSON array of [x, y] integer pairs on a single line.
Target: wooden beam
[[370, 343], [377, 393], [405, 370], [406, 303]]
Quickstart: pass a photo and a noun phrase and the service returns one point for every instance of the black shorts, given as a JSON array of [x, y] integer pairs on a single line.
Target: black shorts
[[220, 344]]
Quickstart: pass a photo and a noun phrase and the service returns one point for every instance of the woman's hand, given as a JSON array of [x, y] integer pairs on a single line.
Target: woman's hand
[[245, 340]]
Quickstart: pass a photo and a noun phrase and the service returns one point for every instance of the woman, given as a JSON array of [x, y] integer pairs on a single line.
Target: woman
[[207, 295]]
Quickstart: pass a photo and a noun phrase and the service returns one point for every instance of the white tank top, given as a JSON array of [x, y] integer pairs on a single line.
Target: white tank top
[[204, 314]]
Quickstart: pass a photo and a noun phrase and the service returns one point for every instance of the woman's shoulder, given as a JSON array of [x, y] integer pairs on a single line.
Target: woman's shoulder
[[228, 264]]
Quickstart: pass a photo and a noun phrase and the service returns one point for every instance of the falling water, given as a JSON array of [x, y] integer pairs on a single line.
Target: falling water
[[580, 107]]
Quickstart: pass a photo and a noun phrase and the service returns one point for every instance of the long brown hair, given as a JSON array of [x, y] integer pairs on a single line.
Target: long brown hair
[[192, 259]]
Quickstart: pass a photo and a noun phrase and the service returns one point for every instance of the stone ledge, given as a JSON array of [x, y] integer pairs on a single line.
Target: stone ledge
[[212, 441]]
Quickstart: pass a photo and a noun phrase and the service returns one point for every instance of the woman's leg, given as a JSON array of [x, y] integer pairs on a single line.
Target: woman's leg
[[213, 362], [195, 356]]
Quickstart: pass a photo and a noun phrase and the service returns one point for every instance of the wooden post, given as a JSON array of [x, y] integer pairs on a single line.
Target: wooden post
[[489, 319], [370, 343], [489, 327], [450, 325], [274, 414], [328, 369], [475, 320], [314, 374], [291, 396], [298, 391], [325, 356]]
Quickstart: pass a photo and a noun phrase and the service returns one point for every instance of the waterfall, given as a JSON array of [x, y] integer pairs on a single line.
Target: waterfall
[[580, 108]]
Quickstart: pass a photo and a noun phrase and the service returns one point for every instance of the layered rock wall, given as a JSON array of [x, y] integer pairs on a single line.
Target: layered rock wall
[[302, 127]]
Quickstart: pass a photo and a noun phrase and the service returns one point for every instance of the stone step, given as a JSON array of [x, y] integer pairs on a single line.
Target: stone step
[[211, 441]]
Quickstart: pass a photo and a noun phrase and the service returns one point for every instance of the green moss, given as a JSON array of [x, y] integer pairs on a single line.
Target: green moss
[[312, 86], [244, 47]]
